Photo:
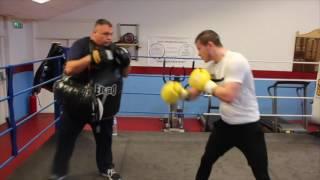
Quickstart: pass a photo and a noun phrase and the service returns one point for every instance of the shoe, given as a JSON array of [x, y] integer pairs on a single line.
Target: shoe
[[57, 177], [111, 174]]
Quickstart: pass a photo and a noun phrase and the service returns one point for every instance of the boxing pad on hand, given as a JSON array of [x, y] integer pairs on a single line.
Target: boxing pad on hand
[[78, 98], [101, 55], [172, 92], [122, 57], [200, 79]]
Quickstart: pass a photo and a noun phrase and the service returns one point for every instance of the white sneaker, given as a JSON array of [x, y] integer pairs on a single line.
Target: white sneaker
[[57, 177], [111, 174]]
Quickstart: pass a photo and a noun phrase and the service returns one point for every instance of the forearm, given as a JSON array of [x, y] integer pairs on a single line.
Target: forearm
[[224, 94], [125, 71], [77, 66], [193, 93], [200, 79]]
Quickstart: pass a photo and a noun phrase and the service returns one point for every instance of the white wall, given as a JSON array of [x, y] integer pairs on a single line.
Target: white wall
[[2, 26], [3, 38], [3, 104], [16, 46], [20, 42], [260, 29], [2, 35]]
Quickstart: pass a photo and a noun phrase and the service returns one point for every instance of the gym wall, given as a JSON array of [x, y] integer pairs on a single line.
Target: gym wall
[[3, 105], [261, 30], [17, 47], [2, 26]]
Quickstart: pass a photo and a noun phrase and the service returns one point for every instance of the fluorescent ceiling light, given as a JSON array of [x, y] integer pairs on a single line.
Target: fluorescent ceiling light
[[40, 1]]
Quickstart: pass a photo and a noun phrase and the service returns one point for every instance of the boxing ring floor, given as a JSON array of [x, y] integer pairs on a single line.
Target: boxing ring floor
[[174, 156]]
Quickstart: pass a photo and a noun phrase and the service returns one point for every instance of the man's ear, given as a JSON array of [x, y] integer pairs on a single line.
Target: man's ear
[[92, 34], [210, 44]]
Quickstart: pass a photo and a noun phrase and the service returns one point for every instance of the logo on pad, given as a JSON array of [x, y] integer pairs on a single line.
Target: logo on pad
[[106, 91]]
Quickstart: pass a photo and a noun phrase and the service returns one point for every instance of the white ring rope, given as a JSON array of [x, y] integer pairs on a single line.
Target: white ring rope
[[270, 115], [293, 62], [283, 97], [275, 79], [277, 97], [273, 97], [197, 58]]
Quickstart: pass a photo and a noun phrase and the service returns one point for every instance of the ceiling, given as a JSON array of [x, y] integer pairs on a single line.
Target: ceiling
[[27, 9]]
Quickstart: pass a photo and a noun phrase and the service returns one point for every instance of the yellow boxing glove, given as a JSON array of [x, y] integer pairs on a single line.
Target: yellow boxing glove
[[200, 79], [172, 92]]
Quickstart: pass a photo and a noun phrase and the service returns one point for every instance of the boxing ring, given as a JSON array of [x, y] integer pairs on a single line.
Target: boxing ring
[[156, 155]]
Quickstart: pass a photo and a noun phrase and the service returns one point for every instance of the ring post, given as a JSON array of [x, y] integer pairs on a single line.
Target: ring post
[[12, 121]]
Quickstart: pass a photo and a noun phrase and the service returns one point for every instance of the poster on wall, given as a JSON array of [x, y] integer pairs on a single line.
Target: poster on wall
[[176, 51]]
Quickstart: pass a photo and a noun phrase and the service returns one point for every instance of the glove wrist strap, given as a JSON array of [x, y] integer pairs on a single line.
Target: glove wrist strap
[[210, 87], [184, 94]]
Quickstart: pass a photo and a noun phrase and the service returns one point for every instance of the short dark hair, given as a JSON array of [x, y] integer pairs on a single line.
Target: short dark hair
[[208, 35], [103, 22]]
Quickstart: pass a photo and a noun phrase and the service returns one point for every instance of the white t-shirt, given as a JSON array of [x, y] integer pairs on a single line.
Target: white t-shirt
[[234, 67]]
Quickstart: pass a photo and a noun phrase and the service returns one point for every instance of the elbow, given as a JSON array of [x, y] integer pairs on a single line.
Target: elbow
[[229, 99], [228, 94]]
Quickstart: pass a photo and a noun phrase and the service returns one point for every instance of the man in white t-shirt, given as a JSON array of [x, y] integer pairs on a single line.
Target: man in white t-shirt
[[239, 110], [229, 78]]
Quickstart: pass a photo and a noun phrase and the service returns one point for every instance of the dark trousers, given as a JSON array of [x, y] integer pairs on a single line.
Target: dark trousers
[[71, 126], [249, 138]]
